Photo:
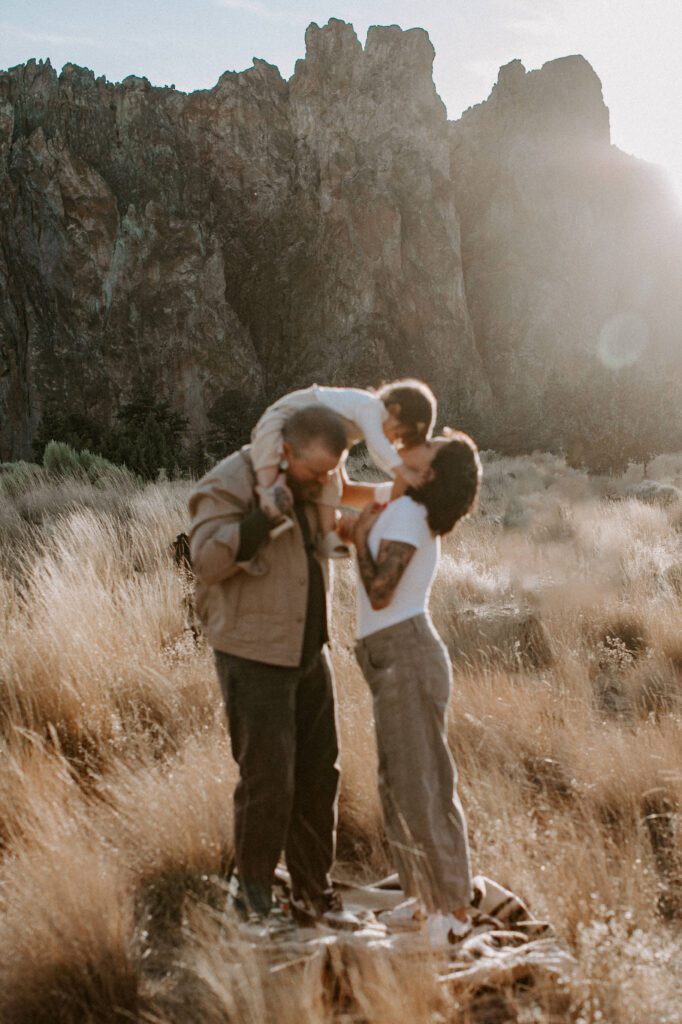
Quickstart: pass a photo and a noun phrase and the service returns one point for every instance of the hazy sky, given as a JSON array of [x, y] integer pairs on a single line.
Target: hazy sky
[[633, 45]]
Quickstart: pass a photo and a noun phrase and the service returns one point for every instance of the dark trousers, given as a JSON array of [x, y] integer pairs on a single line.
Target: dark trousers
[[283, 735]]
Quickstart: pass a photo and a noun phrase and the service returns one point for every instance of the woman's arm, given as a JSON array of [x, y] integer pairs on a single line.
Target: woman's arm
[[381, 577], [356, 495]]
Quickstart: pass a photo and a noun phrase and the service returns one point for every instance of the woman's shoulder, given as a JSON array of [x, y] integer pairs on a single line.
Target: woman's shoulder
[[406, 509]]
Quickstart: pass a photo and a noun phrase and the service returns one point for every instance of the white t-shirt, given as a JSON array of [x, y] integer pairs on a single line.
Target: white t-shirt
[[403, 520]]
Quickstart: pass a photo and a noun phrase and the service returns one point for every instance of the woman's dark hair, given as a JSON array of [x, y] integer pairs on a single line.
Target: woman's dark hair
[[413, 404], [452, 490]]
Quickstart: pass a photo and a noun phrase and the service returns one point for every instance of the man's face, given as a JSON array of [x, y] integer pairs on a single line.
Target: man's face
[[309, 468]]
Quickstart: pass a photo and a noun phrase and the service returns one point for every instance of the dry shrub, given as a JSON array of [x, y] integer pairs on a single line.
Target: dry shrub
[[35, 782], [116, 776], [67, 934], [171, 815], [230, 980]]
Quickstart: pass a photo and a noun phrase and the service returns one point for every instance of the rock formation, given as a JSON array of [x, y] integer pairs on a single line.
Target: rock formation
[[570, 249], [214, 249]]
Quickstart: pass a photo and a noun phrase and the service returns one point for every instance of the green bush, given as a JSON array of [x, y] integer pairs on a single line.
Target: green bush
[[61, 460]]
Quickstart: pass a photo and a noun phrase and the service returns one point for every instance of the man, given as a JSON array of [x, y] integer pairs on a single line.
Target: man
[[263, 605]]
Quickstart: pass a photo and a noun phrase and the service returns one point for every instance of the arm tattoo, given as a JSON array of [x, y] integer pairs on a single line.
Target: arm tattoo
[[381, 577]]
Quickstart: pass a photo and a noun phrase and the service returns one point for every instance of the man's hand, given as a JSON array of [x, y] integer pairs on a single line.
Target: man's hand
[[276, 500]]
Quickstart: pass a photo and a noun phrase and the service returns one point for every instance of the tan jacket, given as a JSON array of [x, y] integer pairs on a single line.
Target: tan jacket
[[253, 609]]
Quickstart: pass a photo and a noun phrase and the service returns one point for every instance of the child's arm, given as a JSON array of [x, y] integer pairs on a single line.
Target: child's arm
[[385, 455], [369, 418], [400, 485], [406, 477]]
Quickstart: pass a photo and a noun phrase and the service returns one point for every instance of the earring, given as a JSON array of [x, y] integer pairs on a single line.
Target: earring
[[283, 465]]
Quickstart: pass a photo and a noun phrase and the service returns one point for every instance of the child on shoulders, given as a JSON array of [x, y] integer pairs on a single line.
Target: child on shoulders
[[401, 413]]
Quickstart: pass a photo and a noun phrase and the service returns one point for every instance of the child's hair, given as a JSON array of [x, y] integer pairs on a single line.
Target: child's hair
[[414, 406]]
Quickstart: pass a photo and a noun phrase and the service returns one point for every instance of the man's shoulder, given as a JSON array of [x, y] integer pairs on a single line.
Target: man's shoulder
[[234, 472], [236, 463]]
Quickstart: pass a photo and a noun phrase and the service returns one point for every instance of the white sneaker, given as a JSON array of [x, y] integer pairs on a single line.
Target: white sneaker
[[446, 930], [280, 527], [408, 914], [254, 928]]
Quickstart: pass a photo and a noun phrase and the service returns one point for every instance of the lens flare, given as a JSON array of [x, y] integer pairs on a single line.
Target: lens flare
[[622, 340]]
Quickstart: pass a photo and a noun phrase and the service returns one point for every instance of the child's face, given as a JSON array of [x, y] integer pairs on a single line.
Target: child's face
[[394, 429]]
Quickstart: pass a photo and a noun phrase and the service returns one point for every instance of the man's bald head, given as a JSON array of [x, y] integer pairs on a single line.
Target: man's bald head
[[314, 441]]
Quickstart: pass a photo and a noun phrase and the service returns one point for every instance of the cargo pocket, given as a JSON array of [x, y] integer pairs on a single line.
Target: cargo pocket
[[380, 654]]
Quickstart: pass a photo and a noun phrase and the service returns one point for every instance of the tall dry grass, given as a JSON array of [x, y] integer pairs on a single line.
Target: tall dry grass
[[560, 602]]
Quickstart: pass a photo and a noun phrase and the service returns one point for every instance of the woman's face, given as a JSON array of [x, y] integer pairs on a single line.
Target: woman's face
[[420, 456]]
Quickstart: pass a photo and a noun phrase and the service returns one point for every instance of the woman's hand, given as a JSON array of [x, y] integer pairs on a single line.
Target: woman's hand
[[365, 521], [345, 526]]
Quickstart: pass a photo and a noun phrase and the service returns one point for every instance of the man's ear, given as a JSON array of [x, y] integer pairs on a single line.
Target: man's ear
[[393, 409], [286, 455]]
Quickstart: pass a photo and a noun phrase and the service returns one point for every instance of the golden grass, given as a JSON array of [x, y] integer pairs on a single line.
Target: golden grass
[[561, 604]]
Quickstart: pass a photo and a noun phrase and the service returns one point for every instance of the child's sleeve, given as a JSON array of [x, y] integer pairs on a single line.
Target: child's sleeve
[[370, 419]]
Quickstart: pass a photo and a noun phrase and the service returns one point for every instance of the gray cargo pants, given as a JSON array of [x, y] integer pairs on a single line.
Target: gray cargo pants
[[409, 673]]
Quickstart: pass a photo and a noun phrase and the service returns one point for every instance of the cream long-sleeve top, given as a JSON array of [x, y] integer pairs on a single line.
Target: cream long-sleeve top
[[363, 413]]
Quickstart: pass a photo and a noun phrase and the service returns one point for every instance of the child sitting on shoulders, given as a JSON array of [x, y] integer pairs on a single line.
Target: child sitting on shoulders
[[400, 413]]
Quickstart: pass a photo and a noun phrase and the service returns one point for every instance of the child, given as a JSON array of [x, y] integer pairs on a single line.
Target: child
[[402, 412]]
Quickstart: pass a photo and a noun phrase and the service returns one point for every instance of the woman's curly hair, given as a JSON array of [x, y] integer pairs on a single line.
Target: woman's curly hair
[[451, 492]]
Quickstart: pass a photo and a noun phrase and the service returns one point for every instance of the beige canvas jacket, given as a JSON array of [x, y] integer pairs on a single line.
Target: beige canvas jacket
[[253, 609]]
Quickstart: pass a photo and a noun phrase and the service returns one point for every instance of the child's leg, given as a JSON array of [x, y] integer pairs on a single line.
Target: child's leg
[[330, 544], [267, 475], [326, 519]]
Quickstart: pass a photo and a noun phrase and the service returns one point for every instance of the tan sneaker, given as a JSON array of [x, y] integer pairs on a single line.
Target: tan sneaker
[[331, 546]]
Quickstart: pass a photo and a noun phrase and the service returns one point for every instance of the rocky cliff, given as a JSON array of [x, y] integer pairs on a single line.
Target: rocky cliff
[[212, 250], [572, 255]]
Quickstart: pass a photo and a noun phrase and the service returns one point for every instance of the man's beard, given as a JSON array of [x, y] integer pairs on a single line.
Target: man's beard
[[310, 490]]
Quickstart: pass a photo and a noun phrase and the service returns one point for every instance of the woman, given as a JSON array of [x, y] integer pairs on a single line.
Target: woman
[[408, 670]]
